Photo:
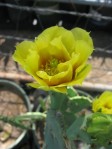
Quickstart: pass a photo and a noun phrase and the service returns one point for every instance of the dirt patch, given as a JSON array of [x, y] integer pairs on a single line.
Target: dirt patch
[[101, 71]]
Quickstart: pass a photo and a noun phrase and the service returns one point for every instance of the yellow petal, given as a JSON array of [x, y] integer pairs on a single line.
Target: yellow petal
[[69, 41], [81, 34], [27, 56], [64, 75], [32, 62], [41, 44], [31, 67], [81, 73], [106, 95], [37, 85], [103, 103], [74, 60], [47, 88], [48, 35], [22, 51], [59, 89], [84, 50], [51, 32], [57, 42], [52, 52], [96, 105]]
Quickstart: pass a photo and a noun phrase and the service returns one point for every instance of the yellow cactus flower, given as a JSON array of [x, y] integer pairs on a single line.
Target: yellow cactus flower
[[57, 58], [103, 103]]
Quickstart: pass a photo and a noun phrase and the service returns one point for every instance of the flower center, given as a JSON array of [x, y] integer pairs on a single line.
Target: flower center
[[50, 66]]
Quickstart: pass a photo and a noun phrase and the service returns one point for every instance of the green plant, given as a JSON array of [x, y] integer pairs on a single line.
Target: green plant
[[57, 60]]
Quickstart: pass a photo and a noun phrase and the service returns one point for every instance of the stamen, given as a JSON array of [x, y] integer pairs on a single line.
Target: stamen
[[51, 66]]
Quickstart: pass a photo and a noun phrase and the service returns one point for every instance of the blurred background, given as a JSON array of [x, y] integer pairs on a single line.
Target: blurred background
[[25, 19]]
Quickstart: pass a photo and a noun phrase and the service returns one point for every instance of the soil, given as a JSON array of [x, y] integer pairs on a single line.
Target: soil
[[10, 105]]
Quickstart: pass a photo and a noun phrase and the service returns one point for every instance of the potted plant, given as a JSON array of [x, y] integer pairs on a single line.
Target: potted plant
[[14, 102]]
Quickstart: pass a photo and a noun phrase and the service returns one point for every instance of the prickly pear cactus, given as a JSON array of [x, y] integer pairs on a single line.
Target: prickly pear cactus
[[53, 133], [63, 123], [55, 137]]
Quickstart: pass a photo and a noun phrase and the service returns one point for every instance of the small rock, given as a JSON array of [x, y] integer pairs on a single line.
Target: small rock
[[7, 128], [4, 136]]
